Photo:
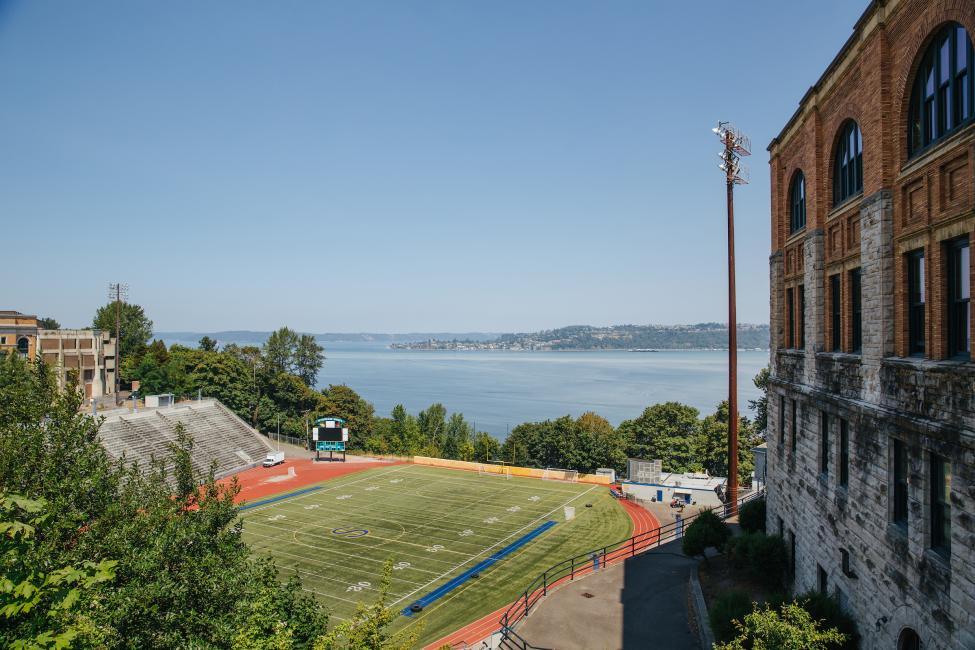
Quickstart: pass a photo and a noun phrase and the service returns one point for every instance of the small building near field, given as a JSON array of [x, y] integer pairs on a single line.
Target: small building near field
[[690, 488]]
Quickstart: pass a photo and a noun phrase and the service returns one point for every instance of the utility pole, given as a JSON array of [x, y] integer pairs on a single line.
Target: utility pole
[[736, 145], [118, 291]]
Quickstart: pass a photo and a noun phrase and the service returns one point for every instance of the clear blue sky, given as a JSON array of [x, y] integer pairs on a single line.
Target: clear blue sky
[[393, 166]]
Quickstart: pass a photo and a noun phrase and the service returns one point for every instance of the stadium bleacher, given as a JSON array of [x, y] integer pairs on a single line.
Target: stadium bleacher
[[219, 436]]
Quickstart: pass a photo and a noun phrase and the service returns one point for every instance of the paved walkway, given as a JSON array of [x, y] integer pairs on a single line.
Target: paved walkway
[[637, 604]]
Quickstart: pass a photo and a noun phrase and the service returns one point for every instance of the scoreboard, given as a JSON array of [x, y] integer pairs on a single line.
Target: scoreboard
[[330, 434]]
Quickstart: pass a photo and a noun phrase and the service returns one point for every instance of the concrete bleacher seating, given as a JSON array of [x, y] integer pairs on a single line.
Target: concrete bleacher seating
[[220, 438]]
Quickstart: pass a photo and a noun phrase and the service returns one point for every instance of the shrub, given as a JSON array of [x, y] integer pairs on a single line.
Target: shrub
[[791, 626], [727, 608], [751, 516], [826, 609], [762, 556], [707, 530]]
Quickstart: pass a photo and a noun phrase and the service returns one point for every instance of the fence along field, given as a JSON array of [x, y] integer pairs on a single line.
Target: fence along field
[[436, 525]]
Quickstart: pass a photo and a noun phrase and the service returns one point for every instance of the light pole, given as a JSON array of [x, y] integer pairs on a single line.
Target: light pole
[[736, 145]]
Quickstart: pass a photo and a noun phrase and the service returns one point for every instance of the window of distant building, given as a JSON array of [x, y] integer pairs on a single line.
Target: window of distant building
[[848, 164], [823, 443], [797, 203], [781, 419], [823, 579], [795, 426], [940, 504], [908, 640], [856, 312], [915, 302], [844, 453], [792, 553], [959, 296], [899, 483], [23, 345], [801, 323], [836, 342], [941, 99]]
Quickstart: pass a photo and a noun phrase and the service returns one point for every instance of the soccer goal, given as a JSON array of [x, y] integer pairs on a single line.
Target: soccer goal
[[494, 468], [557, 474]]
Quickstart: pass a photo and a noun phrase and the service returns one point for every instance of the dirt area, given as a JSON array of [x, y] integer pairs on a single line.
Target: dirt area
[[719, 577]]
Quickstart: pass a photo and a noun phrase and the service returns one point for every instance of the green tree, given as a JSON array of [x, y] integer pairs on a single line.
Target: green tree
[[432, 423], [760, 405], [207, 344], [665, 432], [48, 323], [789, 628], [225, 378], [279, 350], [485, 447], [711, 444], [309, 357], [357, 412], [706, 531], [136, 328]]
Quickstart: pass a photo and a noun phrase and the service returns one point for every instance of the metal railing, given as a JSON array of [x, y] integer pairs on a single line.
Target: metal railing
[[584, 563]]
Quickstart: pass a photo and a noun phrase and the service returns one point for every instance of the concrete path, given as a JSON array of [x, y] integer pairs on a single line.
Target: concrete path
[[640, 603]]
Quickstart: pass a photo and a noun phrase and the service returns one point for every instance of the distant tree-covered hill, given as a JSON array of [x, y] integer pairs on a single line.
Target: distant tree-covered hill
[[617, 337]]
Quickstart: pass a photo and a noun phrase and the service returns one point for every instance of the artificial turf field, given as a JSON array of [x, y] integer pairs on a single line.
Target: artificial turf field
[[435, 524]]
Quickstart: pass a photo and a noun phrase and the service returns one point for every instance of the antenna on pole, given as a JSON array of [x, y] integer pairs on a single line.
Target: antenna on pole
[[119, 293], [736, 145]]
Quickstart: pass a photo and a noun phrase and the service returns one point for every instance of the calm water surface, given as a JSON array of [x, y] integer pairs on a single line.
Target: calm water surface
[[499, 389]]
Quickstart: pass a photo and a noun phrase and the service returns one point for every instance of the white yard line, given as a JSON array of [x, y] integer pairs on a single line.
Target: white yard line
[[247, 512], [581, 494]]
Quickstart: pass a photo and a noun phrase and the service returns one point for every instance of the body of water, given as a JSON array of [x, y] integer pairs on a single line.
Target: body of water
[[499, 389]]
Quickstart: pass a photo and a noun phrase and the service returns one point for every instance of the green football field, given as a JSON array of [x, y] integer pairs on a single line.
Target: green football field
[[434, 524]]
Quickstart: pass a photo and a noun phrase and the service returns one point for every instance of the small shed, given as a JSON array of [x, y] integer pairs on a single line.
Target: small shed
[[689, 487]]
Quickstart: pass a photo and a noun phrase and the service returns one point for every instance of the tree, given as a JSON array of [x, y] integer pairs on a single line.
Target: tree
[[706, 531], [666, 432], [357, 412], [789, 628], [485, 447], [207, 344], [309, 357], [136, 328], [760, 405], [279, 350], [432, 423], [48, 323]]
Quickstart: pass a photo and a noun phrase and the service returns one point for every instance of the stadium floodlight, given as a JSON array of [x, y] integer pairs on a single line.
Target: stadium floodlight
[[736, 145]]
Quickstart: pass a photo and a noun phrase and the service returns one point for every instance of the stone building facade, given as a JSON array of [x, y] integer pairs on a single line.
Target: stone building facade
[[871, 445]]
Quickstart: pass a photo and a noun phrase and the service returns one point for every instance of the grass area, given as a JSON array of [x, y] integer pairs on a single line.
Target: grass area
[[434, 524]]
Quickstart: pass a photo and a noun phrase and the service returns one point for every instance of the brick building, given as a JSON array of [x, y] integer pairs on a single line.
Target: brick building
[[871, 447]]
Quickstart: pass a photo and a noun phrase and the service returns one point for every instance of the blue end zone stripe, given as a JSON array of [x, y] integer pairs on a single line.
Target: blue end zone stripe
[[464, 577], [279, 498]]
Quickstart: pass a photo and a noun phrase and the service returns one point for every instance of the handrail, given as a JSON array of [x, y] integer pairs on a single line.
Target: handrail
[[582, 563]]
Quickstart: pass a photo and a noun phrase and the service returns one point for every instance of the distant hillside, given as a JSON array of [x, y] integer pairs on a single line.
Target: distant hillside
[[247, 337], [707, 336]]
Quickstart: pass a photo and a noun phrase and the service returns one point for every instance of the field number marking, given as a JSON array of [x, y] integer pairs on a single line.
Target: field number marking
[[434, 548], [359, 586], [343, 497], [313, 506], [395, 480], [276, 517], [534, 499], [466, 532], [399, 566], [514, 508], [371, 488], [350, 533], [491, 520]]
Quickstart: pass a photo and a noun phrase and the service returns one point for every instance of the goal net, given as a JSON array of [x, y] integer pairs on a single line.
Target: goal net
[[557, 474], [494, 468]]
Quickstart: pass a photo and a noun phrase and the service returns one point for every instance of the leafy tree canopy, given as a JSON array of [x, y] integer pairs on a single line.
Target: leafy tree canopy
[[48, 323], [136, 328]]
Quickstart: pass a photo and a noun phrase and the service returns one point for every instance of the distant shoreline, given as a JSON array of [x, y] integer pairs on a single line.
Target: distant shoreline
[[638, 350]]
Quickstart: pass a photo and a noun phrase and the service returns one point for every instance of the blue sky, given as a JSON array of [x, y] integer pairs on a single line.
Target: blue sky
[[393, 166]]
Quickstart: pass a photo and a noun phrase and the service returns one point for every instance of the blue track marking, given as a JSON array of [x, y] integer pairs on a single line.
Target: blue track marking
[[464, 577], [279, 498]]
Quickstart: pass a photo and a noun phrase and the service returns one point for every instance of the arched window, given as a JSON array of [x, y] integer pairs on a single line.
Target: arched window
[[942, 98], [797, 203], [23, 345], [908, 640], [848, 165]]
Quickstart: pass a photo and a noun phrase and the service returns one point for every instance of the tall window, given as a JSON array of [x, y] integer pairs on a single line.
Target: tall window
[[899, 487], [942, 99], [940, 504], [844, 453], [23, 346], [959, 296], [824, 443], [915, 302], [790, 319], [823, 579], [848, 165], [797, 203], [795, 427], [856, 312], [834, 311], [801, 323], [782, 419]]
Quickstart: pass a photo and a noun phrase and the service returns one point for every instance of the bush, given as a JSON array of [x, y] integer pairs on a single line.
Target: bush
[[826, 609], [751, 516], [762, 556], [707, 530], [790, 626], [726, 608]]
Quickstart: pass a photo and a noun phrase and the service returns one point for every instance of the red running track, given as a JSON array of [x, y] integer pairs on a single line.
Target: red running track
[[254, 483], [643, 522]]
